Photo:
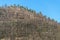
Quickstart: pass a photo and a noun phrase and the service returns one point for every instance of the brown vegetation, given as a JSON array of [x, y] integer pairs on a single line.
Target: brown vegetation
[[19, 23]]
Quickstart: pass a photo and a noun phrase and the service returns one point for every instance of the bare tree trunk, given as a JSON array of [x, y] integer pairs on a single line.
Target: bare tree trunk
[[12, 37]]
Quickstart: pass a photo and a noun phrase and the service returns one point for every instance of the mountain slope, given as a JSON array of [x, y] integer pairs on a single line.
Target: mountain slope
[[24, 24]]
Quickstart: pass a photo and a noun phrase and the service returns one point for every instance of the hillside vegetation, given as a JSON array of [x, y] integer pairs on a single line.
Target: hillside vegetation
[[20, 23]]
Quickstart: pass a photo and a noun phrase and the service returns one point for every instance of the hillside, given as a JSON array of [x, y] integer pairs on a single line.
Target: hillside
[[19, 23]]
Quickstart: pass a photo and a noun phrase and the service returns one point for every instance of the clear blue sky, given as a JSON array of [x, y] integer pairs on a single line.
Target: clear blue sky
[[50, 8]]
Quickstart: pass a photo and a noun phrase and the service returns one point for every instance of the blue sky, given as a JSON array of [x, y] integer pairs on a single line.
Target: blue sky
[[50, 8]]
